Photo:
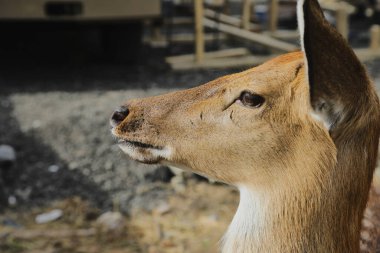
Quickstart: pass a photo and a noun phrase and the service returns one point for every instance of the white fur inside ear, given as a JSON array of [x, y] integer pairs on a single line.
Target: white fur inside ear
[[328, 113], [322, 119], [301, 29], [301, 23], [321, 115]]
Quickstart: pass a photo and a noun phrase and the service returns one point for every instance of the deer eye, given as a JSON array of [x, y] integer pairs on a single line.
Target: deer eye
[[251, 99]]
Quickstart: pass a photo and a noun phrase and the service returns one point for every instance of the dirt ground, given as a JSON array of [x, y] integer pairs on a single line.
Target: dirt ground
[[193, 221], [55, 113]]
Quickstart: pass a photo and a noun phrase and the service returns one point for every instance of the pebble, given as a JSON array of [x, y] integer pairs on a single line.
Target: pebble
[[178, 184], [53, 168], [111, 221], [108, 165], [24, 194], [163, 208], [36, 124], [211, 220], [12, 200], [49, 216], [7, 153]]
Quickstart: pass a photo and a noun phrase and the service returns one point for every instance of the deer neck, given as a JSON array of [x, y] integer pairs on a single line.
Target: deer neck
[[293, 219]]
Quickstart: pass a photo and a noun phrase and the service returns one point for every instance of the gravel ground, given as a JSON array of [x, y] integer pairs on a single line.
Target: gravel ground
[[55, 114], [56, 117]]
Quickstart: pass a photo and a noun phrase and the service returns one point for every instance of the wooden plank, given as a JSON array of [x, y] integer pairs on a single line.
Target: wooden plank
[[335, 6], [231, 20], [216, 54], [367, 54], [214, 3], [189, 37], [182, 38], [255, 37], [284, 34], [199, 35], [341, 17], [230, 62], [244, 61], [375, 37], [273, 15], [246, 14]]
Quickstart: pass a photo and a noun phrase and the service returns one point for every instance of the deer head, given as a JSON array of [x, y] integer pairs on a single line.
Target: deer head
[[297, 135]]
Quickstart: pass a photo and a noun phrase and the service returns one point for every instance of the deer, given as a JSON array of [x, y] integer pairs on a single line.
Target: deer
[[298, 136]]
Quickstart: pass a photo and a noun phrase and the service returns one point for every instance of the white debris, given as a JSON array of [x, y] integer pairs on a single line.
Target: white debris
[[53, 168], [49, 216], [12, 201], [7, 153]]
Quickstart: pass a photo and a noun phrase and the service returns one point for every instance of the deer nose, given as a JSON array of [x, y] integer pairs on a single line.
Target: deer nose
[[119, 115]]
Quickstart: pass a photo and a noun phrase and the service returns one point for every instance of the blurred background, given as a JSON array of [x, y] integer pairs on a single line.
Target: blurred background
[[65, 65]]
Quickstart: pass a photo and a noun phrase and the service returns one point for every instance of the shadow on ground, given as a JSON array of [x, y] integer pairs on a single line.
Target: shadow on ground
[[29, 179]]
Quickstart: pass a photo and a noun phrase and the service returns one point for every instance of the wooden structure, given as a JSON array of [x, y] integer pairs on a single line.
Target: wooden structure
[[233, 26], [243, 28]]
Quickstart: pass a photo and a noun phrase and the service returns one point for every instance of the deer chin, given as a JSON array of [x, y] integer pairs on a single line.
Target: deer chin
[[143, 152]]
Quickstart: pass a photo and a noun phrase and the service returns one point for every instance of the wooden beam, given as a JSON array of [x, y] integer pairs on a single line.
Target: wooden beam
[[335, 6], [188, 37], [228, 62], [216, 54], [283, 34], [255, 37], [230, 20], [199, 35], [273, 15], [375, 38], [246, 14], [367, 54], [341, 16], [182, 38]]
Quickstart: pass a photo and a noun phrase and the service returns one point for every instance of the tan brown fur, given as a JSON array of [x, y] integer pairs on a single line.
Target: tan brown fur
[[308, 184]]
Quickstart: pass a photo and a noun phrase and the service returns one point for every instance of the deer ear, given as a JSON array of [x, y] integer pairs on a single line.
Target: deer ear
[[336, 77]]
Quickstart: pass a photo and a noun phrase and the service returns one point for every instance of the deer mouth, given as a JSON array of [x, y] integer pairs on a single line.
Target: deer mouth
[[144, 152], [138, 144]]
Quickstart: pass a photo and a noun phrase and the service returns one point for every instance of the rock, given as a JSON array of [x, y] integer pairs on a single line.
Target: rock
[[7, 153], [53, 168], [211, 220], [49, 216], [163, 208], [146, 198], [36, 124], [178, 184], [111, 221], [176, 171], [24, 194], [108, 165], [12, 200]]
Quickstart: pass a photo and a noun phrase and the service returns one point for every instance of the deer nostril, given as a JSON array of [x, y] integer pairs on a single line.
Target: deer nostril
[[119, 115]]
